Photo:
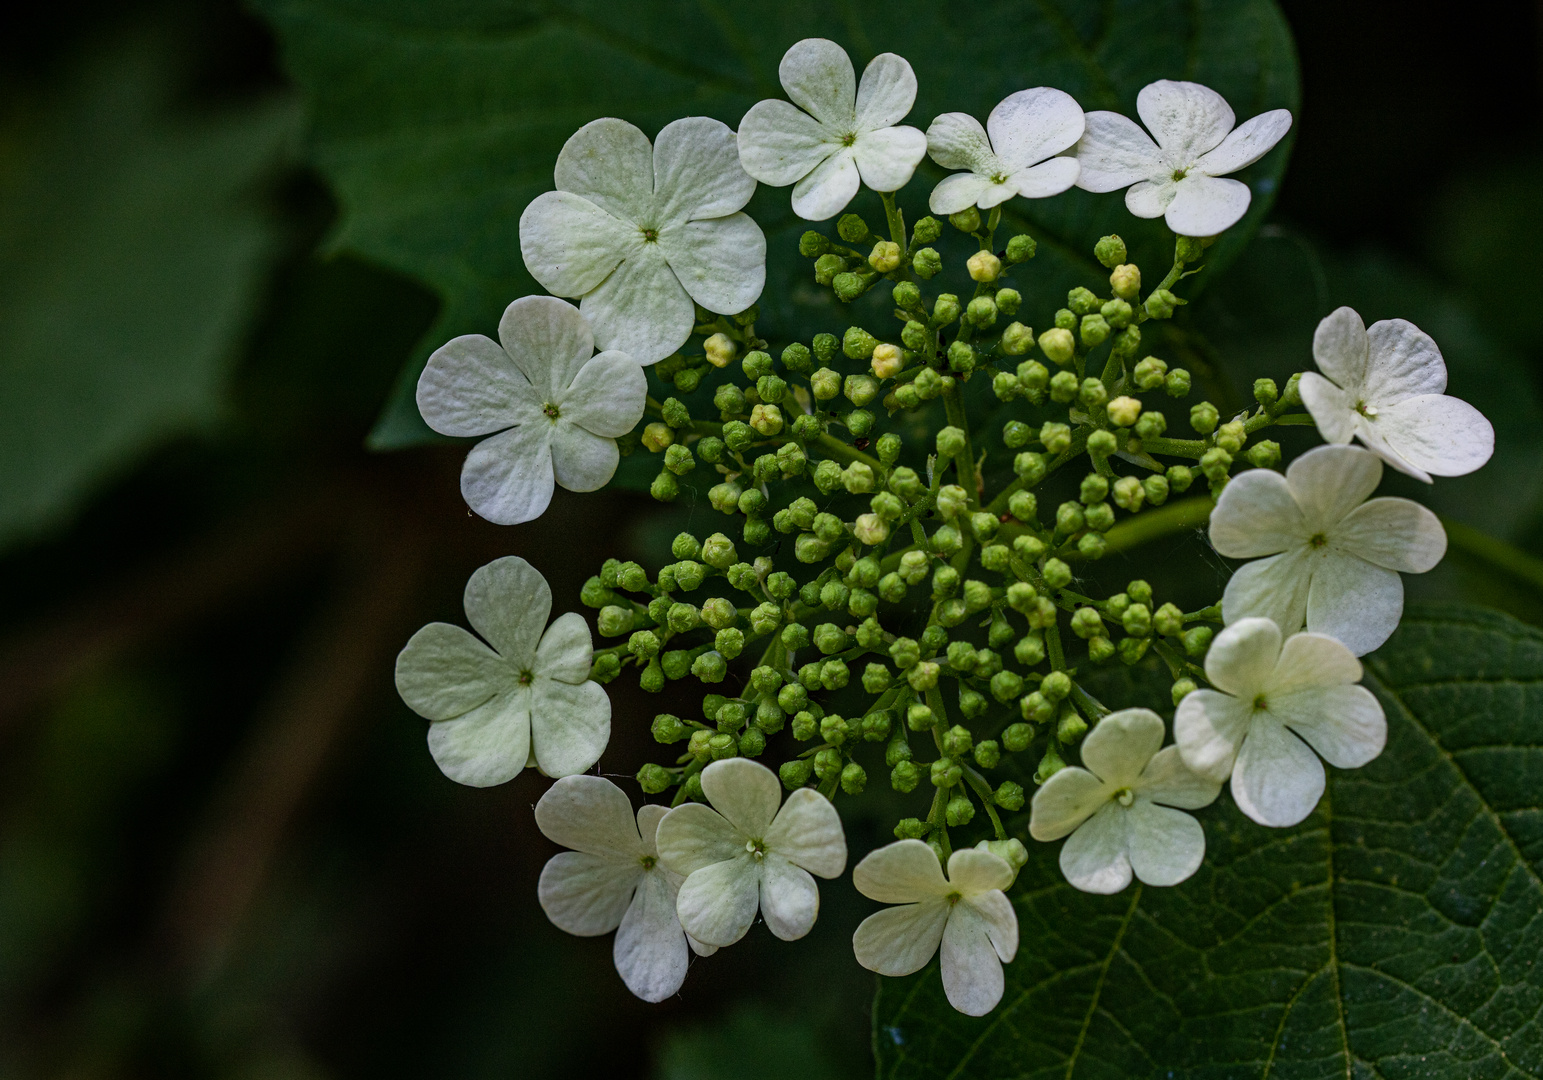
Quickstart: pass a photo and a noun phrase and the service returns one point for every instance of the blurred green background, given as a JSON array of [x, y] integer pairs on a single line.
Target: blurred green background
[[224, 851]]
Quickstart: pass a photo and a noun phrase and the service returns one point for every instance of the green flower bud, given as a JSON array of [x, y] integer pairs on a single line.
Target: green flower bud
[[1086, 623], [655, 778], [738, 435], [678, 459], [805, 726], [1177, 383], [1215, 463], [812, 245], [852, 228], [615, 621], [849, 287], [1161, 304], [903, 778], [966, 220], [892, 588], [719, 613], [1204, 417], [913, 567], [1058, 345], [947, 541], [1101, 444], [960, 810], [1049, 765], [1124, 411], [1180, 477], [1030, 467], [853, 778], [829, 638], [1068, 518], [683, 618], [961, 357], [675, 663], [605, 668], [719, 349], [1016, 737], [718, 552], [710, 449], [827, 267], [1092, 545], [988, 754], [834, 674], [643, 644], [1030, 650], [752, 742], [1292, 395], [996, 558], [710, 667], [657, 436], [826, 384], [861, 389], [922, 676], [1070, 726], [769, 717], [971, 703], [1197, 640], [797, 358], [1020, 248], [934, 639], [1066, 319], [1129, 494], [876, 727], [1063, 387], [1150, 425], [858, 344], [927, 263], [1057, 438], [1095, 330], [795, 774], [945, 772], [1081, 301], [1056, 686], [1099, 517], [1264, 455], [828, 763], [919, 717], [1057, 574], [906, 484], [766, 419], [1092, 393], [1231, 436], [1132, 649], [1005, 686], [984, 526], [1182, 689], [1137, 620], [1037, 707], [1009, 796], [833, 729], [825, 348], [722, 745], [927, 230], [1110, 251]]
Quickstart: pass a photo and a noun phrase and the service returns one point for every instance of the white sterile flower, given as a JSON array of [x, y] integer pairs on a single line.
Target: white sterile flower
[[526, 700], [1120, 808], [641, 230], [743, 852], [967, 913], [840, 132], [1014, 154], [556, 407], [1179, 175], [1332, 557], [1386, 386], [1272, 703], [612, 880]]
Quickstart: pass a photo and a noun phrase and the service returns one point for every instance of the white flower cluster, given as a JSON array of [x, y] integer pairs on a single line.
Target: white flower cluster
[[643, 235]]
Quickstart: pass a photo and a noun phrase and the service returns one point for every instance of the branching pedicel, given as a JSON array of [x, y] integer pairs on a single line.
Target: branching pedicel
[[932, 601]]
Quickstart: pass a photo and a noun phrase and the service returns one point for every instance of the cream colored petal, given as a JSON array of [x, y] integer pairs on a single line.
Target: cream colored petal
[[471, 387], [745, 793], [780, 144], [1275, 588], [1330, 407], [592, 815], [585, 894], [1308, 660], [905, 872], [1065, 801], [1354, 601], [641, 309], [508, 602], [1094, 858], [1342, 350], [1045, 179], [445, 672], [807, 831], [1403, 362], [1031, 125], [886, 93], [1330, 481], [1256, 515], [961, 191], [887, 158], [548, 340], [1114, 153], [1170, 782], [972, 971], [649, 817], [570, 245], [507, 479], [819, 77], [693, 836], [1436, 434], [1185, 118], [697, 172], [825, 192], [582, 460], [570, 725], [1001, 921], [721, 263], [717, 903], [608, 396], [901, 940], [1206, 205], [487, 746], [1394, 533], [1277, 779], [1247, 143], [1345, 724], [972, 872], [566, 650], [1119, 747], [610, 163], [1166, 845], [957, 141], [1208, 728], [650, 949], [790, 899], [1243, 656]]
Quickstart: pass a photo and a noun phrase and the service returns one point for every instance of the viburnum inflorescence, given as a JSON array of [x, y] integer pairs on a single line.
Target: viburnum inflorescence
[[896, 592]]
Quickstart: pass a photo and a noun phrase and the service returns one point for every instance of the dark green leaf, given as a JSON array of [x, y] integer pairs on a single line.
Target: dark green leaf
[[1398, 932], [438, 124]]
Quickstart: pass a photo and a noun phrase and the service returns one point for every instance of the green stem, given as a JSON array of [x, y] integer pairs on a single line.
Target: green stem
[[1161, 521], [964, 463], [895, 217], [834, 447], [983, 791]]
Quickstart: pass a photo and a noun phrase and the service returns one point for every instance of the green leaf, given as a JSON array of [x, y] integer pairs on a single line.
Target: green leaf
[[132, 250], [437, 124], [1398, 932]]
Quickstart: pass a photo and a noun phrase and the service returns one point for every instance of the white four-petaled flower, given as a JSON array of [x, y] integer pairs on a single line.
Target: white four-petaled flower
[[1332, 557], [1014, 154], [1272, 703], [641, 230], [1125, 809], [553, 407], [612, 880], [1387, 387], [1180, 175], [967, 913], [840, 132], [528, 699], [742, 852]]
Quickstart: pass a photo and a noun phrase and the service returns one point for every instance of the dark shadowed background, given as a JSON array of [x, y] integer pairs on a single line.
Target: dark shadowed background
[[224, 849]]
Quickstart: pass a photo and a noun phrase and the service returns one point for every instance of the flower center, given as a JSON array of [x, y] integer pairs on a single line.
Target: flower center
[[999, 178], [1317, 540], [551, 410], [1369, 411], [757, 849], [650, 236], [1125, 796], [849, 139], [953, 898], [1261, 703], [648, 861], [525, 678], [1179, 174]]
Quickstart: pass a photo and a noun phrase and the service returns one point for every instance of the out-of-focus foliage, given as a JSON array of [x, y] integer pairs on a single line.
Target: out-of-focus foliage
[[134, 244]]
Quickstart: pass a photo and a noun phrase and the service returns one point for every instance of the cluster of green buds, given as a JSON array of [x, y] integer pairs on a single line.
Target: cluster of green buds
[[876, 602]]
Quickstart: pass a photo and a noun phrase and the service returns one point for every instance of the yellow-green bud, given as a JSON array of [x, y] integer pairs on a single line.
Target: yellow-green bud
[[1125, 280], [1110, 251], [826, 384], [927, 262], [657, 436], [966, 220], [1204, 417], [1058, 345], [1017, 339], [719, 349], [983, 265], [888, 360], [1231, 436], [766, 419], [871, 529], [1124, 411], [885, 256], [1095, 330], [1129, 493]]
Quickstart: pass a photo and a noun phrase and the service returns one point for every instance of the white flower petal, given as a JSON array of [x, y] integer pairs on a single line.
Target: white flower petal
[[745, 793], [649, 817], [1256, 515], [717, 903], [1331, 408], [570, 245], [1150, 198], [1119, 747], [1404, 363], [887, 158], [508, 479], [1206, 205], [1341, 349], [790, 900], [963, 190], [1166, 846], [1275, 589], [592, 815], [1114, 152], [608, 396], [1031, 125], [610, 163], [780, 144], [650, 949], [1354, 601], [570, 725], [1208, 728], [825, 192], [886, 93], [548, 340], [1277, 780], [904, 872], [487, 746], [900, 940], [1395, 533], [581, 460], [471, 387], [1437, 434], [972, 970], [819, 77], [972, 872], [697, 172], [1243, 655], [1311, 660], [1045, 179], [508, 602], [566, 651], [699, 947], [721, 263], [808, 831], [1001, 921], [1170, 782], [694, 835], [1247, 143], [444, 672], [587, 894], [1094, 858], [1370, 432], [956, 140], [1185, 118], [641, 309], [1330, 481], [1345, 724], [1065, 801]]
